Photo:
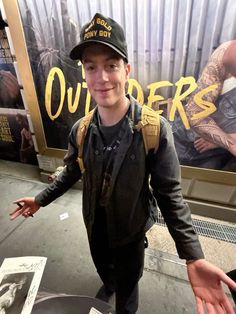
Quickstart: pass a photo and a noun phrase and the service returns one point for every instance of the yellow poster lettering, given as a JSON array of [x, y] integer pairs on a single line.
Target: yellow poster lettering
[[6, 138], [72, 107], [132, 83], [3, 118], [5, 131], [3, 124], [48, 92], [133, 88], [177, 100], [152, 98], [208, 107]]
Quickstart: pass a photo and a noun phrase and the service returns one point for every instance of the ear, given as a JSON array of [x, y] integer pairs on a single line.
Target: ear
[[127, 70]]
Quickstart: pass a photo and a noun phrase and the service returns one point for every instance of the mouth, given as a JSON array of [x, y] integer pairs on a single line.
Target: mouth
[[104, 90]]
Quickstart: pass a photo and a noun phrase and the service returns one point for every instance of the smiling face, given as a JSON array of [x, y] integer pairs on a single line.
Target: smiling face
[[106, 74]]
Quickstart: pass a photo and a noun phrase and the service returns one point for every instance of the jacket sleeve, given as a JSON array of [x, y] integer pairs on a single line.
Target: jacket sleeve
[[165, 182], [67, 178]]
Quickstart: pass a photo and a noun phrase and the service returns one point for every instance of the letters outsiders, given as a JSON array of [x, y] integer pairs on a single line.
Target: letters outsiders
[[206, 106]]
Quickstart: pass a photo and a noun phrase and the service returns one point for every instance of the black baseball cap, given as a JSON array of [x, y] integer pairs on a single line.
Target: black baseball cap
[[102, 30]]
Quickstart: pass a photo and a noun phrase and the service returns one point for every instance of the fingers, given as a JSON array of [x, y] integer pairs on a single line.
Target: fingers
[[223, 308], [15, 214], [15, 211], [200, 308], [23, 210], [200, 145], [227, 306], [210, 308], [220, 310], [27, 213]]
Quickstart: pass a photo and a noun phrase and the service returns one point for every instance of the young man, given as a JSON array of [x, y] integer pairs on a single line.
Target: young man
[[118, 206]]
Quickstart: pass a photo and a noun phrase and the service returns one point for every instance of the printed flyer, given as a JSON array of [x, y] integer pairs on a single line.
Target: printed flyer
[[19, 282]]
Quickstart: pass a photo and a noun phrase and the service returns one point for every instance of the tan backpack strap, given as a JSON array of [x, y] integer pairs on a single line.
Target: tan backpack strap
[[80, 137], [150, 126]]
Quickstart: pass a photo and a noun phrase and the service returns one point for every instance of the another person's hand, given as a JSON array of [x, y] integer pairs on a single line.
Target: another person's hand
[[232, 147], [202, 145], [206, 279], [27, 207]]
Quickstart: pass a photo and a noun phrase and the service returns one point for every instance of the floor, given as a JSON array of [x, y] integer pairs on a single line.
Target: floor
[[58, 233]]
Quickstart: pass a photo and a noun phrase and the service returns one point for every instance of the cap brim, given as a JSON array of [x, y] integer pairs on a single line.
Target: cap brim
[[77, 52]]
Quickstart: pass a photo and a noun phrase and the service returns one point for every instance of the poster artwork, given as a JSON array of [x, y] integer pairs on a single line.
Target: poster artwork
[[16, 142], [19, 282], [182, 66], [210, 141], [10, 96]]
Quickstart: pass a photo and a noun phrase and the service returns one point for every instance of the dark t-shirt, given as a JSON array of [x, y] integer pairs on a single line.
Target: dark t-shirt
[[111, 136]]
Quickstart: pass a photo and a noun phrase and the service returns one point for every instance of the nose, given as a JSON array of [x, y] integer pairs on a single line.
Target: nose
[[103, 75]]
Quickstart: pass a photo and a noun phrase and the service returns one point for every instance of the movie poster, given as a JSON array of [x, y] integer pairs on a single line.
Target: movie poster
[[16, 143], [181, 60]]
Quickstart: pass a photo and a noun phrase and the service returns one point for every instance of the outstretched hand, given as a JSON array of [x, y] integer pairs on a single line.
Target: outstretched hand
[[202, 145], [206, 279], [27, 207]]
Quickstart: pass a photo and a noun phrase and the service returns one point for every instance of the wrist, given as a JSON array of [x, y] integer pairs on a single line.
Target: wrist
[[190, 261]]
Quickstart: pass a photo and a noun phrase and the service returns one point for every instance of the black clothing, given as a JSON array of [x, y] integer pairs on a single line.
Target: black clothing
[[131, 204], [232, 275], [118, 204], [119, 268]]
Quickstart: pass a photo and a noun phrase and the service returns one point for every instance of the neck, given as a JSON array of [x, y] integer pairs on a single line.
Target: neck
[[111, 115]]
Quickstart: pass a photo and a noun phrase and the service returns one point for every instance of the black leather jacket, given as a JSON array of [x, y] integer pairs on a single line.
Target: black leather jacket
[[129, 209]]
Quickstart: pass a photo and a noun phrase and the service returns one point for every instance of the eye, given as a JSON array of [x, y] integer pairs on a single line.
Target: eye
[[111, 67], [89, 67]]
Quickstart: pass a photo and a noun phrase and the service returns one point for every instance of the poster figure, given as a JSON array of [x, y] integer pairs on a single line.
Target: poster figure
[[27, 152], [211, 141], [16, 143], [13, 291], [19, 282]]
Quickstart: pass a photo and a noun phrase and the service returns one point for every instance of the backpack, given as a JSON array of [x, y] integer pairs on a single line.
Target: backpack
[[149, 125]]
